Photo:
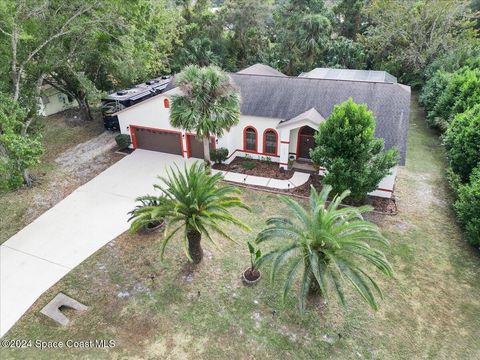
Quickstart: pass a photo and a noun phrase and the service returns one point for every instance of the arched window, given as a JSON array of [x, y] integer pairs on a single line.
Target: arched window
[[270, 141], [250, 139], [166, 103]]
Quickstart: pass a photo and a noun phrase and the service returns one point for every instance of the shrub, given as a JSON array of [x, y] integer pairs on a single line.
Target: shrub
[[325, 247], [461, 93], [219, 155], [430, 93], [467, 208], [123, 141], [462, 141], [248, 165], [347, 147]]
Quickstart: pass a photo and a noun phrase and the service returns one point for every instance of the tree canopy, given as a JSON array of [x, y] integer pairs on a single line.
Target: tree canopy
[[346, 146]]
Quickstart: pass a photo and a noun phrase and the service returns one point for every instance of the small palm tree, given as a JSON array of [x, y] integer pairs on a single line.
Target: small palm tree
[[328, 247], [192, 202], [209, 104]]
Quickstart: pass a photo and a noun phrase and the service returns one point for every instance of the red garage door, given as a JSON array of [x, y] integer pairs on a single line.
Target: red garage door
[[195, 146], [157, 140]]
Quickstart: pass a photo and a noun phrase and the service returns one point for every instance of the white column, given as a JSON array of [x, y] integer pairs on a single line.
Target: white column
[[284, 147], [184, 144]]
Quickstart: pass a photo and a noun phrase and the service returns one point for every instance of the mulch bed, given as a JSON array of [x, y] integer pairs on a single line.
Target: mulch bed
[[262, 168], [386, 206]]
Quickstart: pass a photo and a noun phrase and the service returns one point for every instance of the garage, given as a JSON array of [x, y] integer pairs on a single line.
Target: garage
[[195, 146], [157, 140]]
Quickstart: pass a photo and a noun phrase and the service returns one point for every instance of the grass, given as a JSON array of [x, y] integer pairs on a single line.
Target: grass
[[156, 309], [57, 137]]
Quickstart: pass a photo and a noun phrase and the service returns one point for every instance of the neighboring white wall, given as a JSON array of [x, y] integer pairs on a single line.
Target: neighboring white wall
[[53, 102]]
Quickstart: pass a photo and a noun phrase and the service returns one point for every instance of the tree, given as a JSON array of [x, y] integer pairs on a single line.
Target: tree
[[200, 27], [404, 36], [198, 52], [462, 140], [19, 150], [345, 53], [192, 203], [346, 146], [327, 246], [350, 17], [209, 104], [467, 207], [140, 45], [302, 33], [312, 37], [32, 27], [247, 24]]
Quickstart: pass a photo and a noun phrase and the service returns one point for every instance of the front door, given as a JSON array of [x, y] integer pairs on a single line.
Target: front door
[[306, 141]]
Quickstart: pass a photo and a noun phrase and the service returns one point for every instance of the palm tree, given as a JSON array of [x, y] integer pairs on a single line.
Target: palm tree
[[209, 104], [192, 203], [328, 247]]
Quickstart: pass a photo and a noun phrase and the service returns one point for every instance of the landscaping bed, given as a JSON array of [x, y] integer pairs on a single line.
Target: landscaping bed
[[254, 167]]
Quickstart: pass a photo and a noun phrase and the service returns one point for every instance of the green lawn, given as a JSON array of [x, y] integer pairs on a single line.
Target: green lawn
[[157, 310], [21, 207]]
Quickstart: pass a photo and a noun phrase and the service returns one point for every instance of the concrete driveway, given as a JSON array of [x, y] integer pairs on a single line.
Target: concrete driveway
[[39, 255]]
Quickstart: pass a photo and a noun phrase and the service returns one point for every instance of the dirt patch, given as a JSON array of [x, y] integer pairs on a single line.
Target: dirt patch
[[83, 153], [255, 168], [76, 166]]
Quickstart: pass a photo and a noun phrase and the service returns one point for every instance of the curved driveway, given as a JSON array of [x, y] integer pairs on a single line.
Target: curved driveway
[[43, 252]]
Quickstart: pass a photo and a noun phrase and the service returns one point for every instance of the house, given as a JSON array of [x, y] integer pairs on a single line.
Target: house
[[279, 114], [52, 101]]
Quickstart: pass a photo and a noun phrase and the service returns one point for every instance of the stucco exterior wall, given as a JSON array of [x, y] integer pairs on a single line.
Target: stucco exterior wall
[[153, 114], [150, 113]]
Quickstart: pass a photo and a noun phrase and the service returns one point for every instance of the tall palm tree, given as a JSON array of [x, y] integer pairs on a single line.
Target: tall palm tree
[[191, 202], [328, 247], [209, 103]]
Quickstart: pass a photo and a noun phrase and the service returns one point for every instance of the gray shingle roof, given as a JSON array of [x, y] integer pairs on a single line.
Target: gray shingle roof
[[286, 97], [261, 69]]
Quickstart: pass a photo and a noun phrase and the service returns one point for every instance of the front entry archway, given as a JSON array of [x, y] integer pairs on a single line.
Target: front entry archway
[[305, 142]]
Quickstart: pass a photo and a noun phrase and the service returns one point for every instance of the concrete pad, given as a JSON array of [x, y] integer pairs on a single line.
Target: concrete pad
[[280, 184], [52, 309], [23, 278], [236, 177], [299, 178], [381, 193], [388, 182], [75, 228], [135, 175], [257, 180]]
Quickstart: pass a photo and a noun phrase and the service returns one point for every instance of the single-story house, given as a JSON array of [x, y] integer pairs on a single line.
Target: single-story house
[[52, 101], [279, 114]]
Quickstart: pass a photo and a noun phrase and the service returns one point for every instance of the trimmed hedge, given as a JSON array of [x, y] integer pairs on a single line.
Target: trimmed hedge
[[462, 141], [467, 208]]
